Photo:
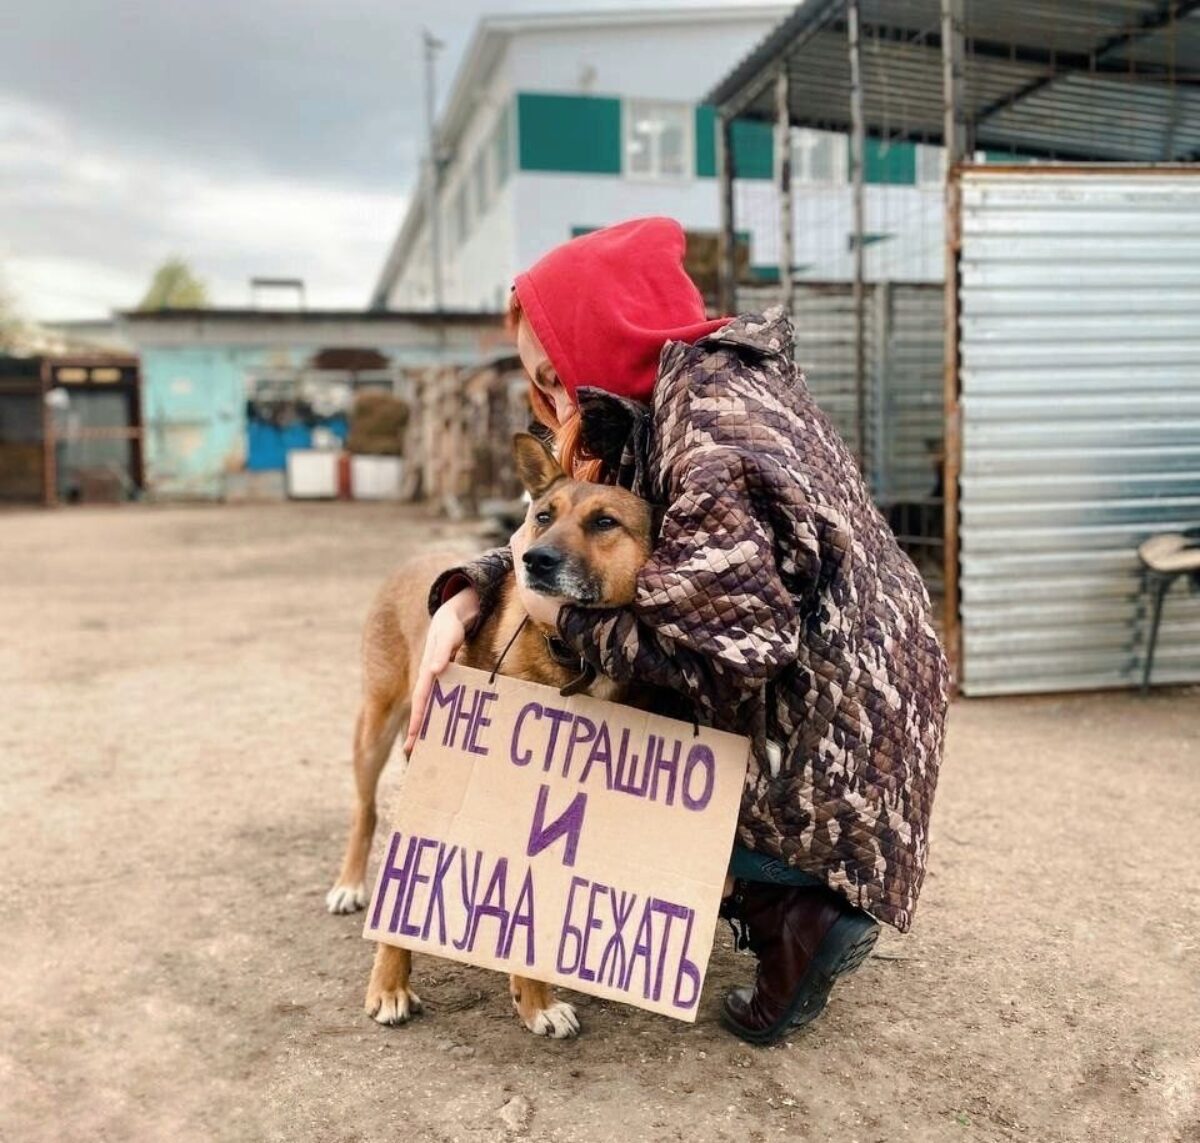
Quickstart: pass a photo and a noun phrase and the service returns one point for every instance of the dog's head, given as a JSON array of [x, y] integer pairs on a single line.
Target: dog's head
[[587, 542]]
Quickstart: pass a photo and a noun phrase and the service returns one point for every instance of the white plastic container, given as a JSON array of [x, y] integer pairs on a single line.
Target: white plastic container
[[312, 474], [376, 477]]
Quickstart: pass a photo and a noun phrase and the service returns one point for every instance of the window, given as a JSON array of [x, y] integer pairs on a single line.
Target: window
[[819, 158], [658, 139], [462, 213], [931, 165], [502, 150], [479, 175]]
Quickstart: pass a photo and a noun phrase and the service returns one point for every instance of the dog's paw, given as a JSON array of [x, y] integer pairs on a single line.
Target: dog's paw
[[559, 1021], [346, 898], [393, 1007]]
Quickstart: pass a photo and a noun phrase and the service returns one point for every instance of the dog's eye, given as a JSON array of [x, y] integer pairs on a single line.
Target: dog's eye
[[605, 523], [543, 518]]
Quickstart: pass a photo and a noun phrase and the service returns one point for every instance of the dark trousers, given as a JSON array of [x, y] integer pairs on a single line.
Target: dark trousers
[[746, 865]]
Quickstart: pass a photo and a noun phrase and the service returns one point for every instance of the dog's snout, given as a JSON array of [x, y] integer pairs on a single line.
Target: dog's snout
[[542, 561]]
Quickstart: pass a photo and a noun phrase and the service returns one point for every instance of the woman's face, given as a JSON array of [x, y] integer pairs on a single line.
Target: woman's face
[[541, 372]]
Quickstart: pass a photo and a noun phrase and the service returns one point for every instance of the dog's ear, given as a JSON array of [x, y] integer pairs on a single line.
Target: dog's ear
[[536, 465]]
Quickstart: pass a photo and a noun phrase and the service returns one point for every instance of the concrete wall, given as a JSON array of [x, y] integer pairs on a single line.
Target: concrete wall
[[673, 61], [677, 63]]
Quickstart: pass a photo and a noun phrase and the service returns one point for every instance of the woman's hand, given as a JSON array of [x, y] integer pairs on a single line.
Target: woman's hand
[[542, 609], [447, 634]]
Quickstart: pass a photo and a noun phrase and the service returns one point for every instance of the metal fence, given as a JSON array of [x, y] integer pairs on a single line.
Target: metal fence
[[1080, 403], [25, 472], [904, 416]]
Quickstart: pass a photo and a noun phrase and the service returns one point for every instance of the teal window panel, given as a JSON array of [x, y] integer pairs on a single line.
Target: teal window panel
[[753, 149], [571, 133], [891, 163], [706, 141], [768, 275], [753, 146]]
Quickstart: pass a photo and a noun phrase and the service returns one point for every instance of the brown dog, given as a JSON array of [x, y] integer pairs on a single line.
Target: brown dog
[[587, 545]]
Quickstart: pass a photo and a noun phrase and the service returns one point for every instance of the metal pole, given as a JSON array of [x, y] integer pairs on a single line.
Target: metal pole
[[881, 339], [954, 108], [857, 141], [955, 131], [783, 165], [433, 159], [727, 240]]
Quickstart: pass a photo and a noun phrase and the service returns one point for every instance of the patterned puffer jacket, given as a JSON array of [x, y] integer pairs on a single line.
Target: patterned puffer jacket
[[778, 601]]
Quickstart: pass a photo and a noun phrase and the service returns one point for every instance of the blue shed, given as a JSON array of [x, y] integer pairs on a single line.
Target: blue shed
[[226, 392]]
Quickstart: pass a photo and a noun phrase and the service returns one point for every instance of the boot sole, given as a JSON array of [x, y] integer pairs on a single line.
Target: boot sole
[[847, 944]]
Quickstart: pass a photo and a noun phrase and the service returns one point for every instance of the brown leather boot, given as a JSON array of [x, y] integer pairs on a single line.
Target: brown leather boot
[[804, 938]]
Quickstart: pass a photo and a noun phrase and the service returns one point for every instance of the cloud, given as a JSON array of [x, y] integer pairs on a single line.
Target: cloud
[[256, 136], [326, 89], [94, 224], [249, 136]]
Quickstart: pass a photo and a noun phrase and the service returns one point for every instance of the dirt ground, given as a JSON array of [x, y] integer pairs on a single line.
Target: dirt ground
[[177, 688]]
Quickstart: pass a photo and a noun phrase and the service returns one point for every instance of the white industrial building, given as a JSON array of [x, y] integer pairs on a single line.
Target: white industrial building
[[558, 124]]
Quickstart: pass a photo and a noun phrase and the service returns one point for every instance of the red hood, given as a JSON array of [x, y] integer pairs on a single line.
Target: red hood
[[604, 305]]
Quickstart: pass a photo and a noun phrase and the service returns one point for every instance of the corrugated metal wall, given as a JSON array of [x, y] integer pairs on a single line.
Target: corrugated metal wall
[[1080, 404]]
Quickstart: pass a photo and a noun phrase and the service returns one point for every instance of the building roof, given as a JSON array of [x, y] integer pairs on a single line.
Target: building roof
[[310, 317], [343, 328], [485, 51], [1115, 80]]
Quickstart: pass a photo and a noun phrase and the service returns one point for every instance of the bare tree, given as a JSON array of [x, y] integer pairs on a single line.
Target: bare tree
[[12, 327]]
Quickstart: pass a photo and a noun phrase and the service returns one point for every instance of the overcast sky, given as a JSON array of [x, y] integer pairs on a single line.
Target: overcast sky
[[268, 137]]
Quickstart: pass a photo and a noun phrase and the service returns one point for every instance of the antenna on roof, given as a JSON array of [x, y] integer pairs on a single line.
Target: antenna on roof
[[432, 46], [257, 285]]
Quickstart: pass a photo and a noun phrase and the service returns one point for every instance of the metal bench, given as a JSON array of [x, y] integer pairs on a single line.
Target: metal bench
[[1164, 559]]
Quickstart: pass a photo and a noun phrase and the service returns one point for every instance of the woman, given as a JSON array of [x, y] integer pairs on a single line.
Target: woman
[[777, 601]]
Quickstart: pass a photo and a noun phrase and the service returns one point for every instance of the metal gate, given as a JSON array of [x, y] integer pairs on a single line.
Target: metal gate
[[26, 469], [1079, 392]]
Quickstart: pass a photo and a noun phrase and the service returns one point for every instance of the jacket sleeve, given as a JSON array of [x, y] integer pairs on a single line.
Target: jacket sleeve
[[712, 618], [486, 574]]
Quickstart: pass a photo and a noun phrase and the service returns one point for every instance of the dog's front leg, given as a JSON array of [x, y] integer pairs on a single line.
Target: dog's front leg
[[389, 998], [539, 1011]]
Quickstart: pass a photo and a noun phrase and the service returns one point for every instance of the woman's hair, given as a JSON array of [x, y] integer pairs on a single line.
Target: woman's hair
[[568, 435]]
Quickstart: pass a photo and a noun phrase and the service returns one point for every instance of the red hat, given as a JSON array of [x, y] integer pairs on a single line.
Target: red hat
[[604, 305]]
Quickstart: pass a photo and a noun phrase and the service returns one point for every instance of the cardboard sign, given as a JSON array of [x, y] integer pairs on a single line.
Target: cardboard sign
[[565, 839]]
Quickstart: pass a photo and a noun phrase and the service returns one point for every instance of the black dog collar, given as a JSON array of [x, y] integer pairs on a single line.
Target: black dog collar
[[562, 654]]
